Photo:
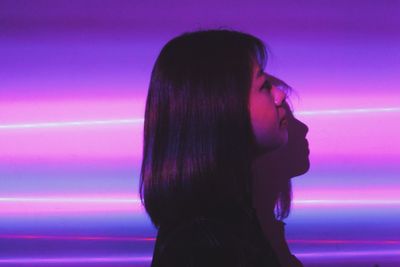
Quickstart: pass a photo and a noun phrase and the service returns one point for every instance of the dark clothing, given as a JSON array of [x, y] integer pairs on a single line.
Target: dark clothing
[[233, 238]]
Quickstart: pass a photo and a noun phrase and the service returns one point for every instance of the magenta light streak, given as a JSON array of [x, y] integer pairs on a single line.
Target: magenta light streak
[[344, 254], [76, 260], [81, 238], [31, 112], [72, 123], [23, 206], [99, 204], [347, 203], [347, 111], [141, 120], [344, 242], [349, 254], [81, 200], [101, 130], [152, 239]]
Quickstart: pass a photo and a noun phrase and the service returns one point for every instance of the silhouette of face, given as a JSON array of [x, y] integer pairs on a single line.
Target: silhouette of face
[[291, 159], [296, 151], [268, 120]]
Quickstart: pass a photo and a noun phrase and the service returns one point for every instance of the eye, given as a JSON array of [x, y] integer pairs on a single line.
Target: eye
[[267, 85]]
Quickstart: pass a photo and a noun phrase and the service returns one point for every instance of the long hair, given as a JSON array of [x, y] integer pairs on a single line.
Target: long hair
[[198, 141]]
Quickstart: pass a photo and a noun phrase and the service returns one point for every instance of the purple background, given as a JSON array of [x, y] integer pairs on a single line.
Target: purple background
[[68, 191]]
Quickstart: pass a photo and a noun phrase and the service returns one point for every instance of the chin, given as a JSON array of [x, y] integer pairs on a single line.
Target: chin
[[301, 168]]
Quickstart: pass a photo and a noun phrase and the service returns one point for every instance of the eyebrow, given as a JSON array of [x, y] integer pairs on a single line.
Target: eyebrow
[[260, 72]]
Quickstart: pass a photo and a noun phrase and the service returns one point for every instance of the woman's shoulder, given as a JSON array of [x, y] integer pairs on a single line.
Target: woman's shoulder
[[204, 241], [198, 232], [198, 242]]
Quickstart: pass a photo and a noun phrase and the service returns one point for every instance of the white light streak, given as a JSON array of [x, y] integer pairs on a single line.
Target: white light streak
[[336, 202], [141, 120], [71, 123], [109, 200], [346, 111], [68, 200]]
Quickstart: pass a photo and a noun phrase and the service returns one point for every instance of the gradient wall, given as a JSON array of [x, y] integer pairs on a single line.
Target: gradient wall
[[73, 82]]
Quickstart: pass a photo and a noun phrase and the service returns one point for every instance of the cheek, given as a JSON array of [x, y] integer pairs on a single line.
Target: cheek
[[265, 124], [266, 130]]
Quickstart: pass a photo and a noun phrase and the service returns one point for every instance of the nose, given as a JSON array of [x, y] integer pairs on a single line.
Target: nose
[[279, 96], [303, 128]]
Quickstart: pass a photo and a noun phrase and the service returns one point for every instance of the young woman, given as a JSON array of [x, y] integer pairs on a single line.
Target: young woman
[[211, 110]]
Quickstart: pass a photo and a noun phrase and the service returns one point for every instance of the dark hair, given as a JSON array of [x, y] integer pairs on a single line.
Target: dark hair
[[198, 140]]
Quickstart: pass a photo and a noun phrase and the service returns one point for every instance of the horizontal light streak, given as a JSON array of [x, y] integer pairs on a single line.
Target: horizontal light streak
[[348, 254], [44, 206], [62, 260], [71, 123], [141, 120], [69, 200], [340, 202], [78, 238], [136, 200], [347, 111], [152, 239], [343, 242], [75, 260], [24, 206]]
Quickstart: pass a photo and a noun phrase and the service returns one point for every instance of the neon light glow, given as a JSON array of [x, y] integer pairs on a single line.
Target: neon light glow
[[349, 254], [72, 99], [77, 260], [23, 206], [152, 239], [346, 254], [71, 123], [346, 111], [106, 200], [141, 120], [80, 238]]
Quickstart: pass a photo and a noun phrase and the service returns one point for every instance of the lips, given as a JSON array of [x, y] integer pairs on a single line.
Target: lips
[[284, 121]]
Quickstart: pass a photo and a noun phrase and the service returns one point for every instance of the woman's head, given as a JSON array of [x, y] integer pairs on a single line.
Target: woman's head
[[198, 135]]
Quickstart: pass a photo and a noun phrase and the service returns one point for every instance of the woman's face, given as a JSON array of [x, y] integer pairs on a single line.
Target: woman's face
[[268, 116]]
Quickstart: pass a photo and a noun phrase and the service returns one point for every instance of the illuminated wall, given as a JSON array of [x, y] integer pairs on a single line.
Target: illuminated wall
[[73, 81]]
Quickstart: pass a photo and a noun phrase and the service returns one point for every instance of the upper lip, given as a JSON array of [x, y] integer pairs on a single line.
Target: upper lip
[[283, 117]]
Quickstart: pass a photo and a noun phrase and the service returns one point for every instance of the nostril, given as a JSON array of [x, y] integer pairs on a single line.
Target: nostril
[[279, 97]]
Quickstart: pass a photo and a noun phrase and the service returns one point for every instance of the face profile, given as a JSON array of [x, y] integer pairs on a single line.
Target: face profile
[[268, 116], [272, 173], [291, 159], [296, 151]]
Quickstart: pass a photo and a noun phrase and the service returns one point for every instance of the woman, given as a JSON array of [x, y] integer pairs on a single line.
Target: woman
[[211, 110], [271, 181]]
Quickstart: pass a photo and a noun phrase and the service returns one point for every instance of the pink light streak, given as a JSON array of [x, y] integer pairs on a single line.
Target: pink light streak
[[31, 112], [23, 206], [74, 205], [76, 260], [343, 242], [349, 254], [341, 202], [80, 238], [346, 111], [342, 254], [112, 130], [135, 121], [366, 196], [72, 123], [152, 239]]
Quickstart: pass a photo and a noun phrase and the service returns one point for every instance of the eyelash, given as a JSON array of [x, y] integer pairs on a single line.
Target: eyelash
[[267, 85]]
